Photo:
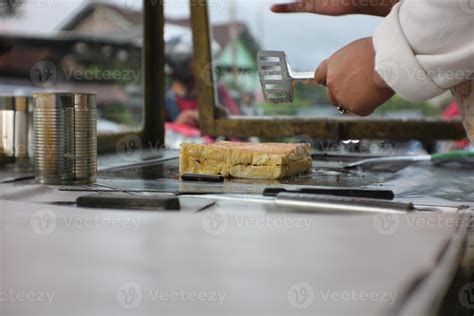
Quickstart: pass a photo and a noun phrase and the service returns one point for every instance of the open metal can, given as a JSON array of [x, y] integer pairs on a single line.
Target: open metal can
[[16, 131], [65, 128]]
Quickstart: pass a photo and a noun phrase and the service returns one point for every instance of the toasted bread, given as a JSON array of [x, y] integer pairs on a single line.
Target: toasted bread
[[244, 160]]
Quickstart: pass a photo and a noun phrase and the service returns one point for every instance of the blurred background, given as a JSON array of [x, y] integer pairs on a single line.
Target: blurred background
[[96, 46]]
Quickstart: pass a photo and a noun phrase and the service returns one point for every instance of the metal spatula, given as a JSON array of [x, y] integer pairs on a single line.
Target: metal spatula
[[464, 158], [277, 78]]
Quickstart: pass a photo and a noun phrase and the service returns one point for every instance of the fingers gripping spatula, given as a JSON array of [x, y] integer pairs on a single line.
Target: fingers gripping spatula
[[277, 78]]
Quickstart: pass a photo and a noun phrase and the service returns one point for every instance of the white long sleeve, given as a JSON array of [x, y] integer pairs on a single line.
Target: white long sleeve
[[425, 47]]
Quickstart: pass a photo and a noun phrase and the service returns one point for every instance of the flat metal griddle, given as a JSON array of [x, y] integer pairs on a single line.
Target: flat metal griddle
[[423, 183], [164, 176]]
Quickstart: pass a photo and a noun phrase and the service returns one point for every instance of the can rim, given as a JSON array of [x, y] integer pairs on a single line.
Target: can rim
[[11, 102]]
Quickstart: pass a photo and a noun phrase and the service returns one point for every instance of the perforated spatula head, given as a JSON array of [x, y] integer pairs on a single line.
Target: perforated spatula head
[[275, 76]]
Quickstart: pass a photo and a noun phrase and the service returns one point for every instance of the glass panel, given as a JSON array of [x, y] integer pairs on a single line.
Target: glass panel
[[242, 27], [71, 45]]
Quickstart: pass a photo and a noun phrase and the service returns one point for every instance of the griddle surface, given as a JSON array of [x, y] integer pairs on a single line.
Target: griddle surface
[[164, 176]]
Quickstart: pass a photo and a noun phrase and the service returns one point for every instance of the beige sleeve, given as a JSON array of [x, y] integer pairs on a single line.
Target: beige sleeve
[[425, 47]]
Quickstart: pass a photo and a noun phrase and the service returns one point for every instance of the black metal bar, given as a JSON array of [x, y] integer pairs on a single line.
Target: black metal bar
[[153, 74], [347, 192]]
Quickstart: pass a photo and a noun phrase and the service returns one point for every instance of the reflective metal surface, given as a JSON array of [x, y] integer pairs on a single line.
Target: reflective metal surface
[[422, 183], [65, 138], [164, 175], [16, 131]]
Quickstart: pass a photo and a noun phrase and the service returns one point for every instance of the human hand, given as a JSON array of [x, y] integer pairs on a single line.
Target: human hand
[[337, 7], [351, 79], [189, 118]]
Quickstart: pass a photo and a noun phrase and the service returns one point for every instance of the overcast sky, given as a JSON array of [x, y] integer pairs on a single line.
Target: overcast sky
[[307, 38]]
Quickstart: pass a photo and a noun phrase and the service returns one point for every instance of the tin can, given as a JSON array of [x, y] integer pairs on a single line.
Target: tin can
[[85, 138], [16, 131], [65, 138]]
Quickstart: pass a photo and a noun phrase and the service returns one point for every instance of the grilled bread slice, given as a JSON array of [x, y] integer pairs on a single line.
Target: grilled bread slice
[[244, 160]]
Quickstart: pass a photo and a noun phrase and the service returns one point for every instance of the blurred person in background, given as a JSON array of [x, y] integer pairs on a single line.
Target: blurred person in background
[[452, 112], [248, 106], [181, 95], [5, 48]]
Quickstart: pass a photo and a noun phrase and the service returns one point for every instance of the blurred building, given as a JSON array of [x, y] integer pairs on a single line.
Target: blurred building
[[96, 46]]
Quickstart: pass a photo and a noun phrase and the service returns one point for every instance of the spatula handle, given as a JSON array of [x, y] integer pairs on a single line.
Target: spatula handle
[[306, 78]]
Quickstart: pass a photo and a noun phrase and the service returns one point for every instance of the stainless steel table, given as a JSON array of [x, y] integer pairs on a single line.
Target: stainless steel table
[[233, 258]]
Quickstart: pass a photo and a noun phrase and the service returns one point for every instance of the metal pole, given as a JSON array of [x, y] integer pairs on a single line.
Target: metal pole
[[153, 74]]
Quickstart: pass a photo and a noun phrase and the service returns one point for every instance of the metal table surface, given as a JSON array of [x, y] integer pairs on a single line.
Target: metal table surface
[[232, 258]]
